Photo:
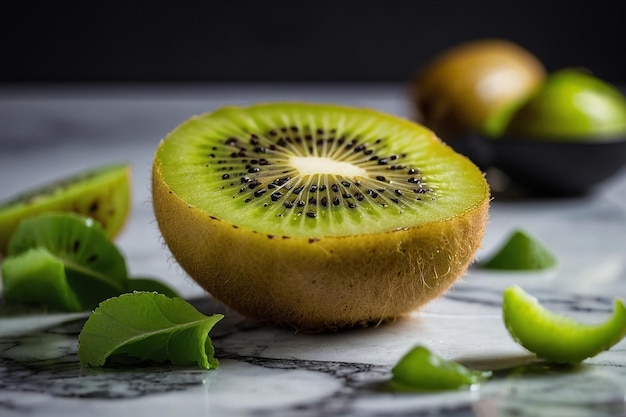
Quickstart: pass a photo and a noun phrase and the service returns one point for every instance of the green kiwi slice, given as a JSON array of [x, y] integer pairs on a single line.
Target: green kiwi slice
[[521, 252], [102, 193], [317, 216], [422, 370], [46, 246], [555, 337]]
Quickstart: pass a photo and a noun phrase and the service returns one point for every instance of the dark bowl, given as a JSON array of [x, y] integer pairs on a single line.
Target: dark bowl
[[546, 167]]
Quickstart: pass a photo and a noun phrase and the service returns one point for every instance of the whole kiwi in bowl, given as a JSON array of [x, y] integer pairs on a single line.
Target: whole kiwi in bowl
[[462, 87], [317, 217]]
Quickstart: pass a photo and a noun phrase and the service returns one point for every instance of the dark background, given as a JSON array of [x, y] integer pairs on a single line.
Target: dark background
[[330, 41]]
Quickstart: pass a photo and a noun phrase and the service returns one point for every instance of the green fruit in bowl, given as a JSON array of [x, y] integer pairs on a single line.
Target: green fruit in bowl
[[571, 105]]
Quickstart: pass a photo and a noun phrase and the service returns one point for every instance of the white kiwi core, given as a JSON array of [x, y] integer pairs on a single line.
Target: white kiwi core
[[315, 165]]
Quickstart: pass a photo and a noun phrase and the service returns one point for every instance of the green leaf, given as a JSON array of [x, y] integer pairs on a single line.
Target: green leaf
[[152, 285], [94, 267], [147, 327], [36, 277], [422, 370], [558, 338]]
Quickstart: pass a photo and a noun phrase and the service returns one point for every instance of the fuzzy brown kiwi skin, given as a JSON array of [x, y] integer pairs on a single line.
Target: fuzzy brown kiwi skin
[[318, 284]]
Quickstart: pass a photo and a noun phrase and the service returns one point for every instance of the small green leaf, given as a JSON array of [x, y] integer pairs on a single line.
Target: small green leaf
[[422, 370], [521, 252], [558, 338], [147, 327], [94, 267], [36, 277], [151, 285]]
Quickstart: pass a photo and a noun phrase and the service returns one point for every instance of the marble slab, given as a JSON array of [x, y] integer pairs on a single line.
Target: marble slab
[[264, 371]]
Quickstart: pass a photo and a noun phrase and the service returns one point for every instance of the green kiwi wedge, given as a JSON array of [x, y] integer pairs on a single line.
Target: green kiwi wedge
[[317, 217], [102, 193], [555, 337], [521, 252]]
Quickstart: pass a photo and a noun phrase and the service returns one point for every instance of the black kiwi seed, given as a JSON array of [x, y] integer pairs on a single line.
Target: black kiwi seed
[[274, 173]]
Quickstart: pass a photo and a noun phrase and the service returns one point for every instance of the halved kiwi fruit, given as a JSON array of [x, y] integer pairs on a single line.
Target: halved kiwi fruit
[[317, 216], [102, 193]]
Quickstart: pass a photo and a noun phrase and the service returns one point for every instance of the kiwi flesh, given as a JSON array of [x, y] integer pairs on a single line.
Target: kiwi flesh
[[315, 216], [102, 193]]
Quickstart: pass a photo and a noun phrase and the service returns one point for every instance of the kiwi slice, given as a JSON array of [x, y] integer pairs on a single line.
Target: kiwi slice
[[102, 193], [521, 252], [555, 337], [317, 216]]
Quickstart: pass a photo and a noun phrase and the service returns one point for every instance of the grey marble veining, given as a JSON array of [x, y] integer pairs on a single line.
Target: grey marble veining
[[267, 371]]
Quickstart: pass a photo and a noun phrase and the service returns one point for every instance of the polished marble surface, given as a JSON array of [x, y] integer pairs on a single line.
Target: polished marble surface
[[264, 371]]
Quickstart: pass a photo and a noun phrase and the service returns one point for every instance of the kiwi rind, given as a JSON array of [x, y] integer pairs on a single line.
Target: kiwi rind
[[324, 282], [102, 193]]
